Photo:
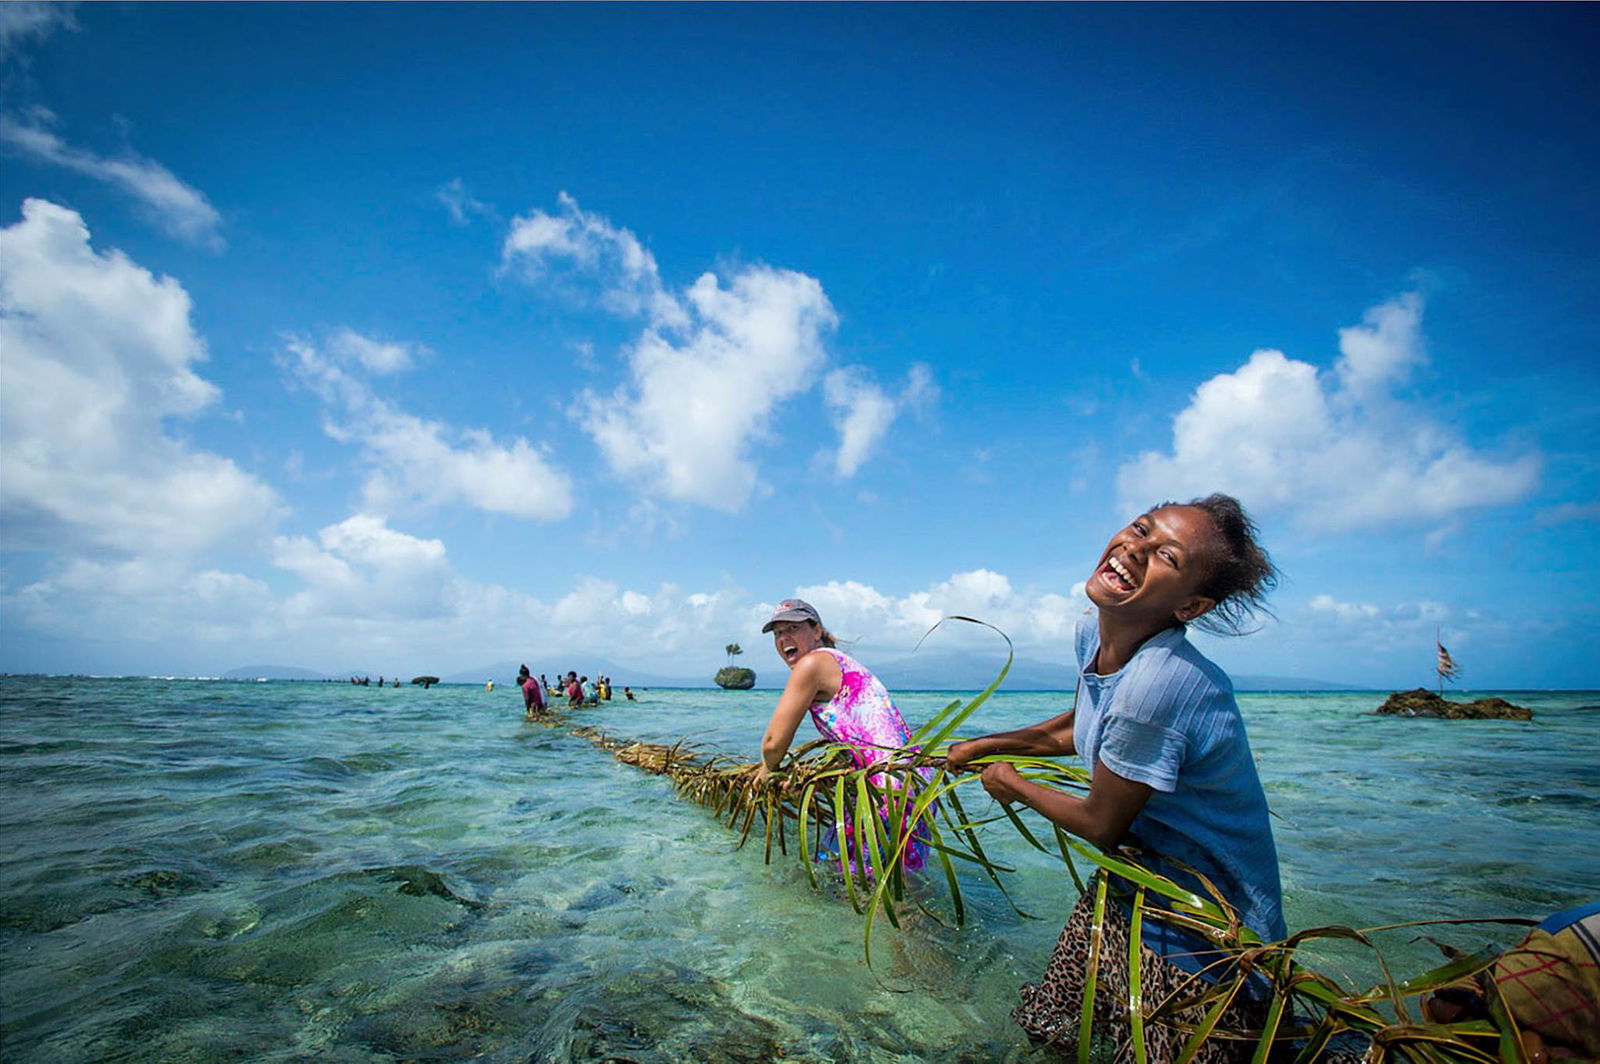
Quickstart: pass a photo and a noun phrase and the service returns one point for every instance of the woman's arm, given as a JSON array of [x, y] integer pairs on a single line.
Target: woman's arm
[[1102, 816], [816, 674], [1050, 738]]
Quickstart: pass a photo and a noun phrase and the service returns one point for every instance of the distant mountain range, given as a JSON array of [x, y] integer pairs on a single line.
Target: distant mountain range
[[923, 672], [621, 675], [273, 672]]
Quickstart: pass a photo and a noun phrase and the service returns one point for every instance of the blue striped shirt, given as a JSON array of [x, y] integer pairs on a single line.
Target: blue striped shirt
[[1168, 719]]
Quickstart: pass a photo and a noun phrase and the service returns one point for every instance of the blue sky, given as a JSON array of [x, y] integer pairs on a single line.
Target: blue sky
[[407, 338]]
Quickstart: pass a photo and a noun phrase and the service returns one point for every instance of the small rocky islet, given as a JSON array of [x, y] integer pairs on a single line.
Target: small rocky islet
[[1422, 702], [734, 678]]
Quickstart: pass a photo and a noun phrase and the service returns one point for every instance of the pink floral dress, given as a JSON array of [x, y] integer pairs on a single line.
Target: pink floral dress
[[862, 716]]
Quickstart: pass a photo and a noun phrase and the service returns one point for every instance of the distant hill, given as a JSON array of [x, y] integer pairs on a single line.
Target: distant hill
[[970, 672], [922, 672], [272, 672], [621, 675], [1291, 683]]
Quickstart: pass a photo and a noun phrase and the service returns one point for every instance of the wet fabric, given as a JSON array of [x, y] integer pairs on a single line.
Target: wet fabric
[[1168, 719], [863, 716], [1051, 1008], [1551, 980]]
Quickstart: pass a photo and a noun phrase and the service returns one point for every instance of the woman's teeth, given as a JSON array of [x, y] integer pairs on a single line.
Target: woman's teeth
[[1121, 572]]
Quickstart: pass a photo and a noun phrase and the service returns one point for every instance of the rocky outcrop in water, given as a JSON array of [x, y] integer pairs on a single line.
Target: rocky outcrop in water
[[735, 678], [1422, 702]]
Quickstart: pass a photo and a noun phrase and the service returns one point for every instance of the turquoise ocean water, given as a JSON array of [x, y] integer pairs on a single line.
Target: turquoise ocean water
[[207, 870]]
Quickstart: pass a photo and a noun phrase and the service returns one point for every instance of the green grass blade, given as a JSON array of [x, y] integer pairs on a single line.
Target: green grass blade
[[1066, 858], [1269, 1028], [927, 737], [1135, 982], [935, 722], [1091, 975], [1209, 1024]]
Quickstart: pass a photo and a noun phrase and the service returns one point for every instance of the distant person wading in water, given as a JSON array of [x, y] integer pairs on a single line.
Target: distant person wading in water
[[532, 694], [1157, 725]]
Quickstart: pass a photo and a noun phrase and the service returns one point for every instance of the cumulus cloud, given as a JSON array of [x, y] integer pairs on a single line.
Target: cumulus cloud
[[712, 365], [367, 594], [1380, 352], [1335, 451], [414, 461], [626, 272], [862, 412], [107, 353], [148, 601], [364, 569], [178, 208], [695, 402], [897, 622], [372, 596]]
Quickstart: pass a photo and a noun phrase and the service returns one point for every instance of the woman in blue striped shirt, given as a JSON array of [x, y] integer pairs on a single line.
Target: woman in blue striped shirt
[[1156, 724]]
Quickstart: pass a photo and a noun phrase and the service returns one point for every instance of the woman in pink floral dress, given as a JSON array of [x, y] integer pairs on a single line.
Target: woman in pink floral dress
[[846, 703]]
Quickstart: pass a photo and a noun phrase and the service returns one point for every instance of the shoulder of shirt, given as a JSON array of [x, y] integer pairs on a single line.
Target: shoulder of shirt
[[1169, 662]]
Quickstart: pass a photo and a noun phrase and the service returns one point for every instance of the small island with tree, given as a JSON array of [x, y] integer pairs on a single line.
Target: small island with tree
[[733, 677]]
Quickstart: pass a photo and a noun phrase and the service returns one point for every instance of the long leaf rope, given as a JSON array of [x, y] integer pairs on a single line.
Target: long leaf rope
[[878, 812]]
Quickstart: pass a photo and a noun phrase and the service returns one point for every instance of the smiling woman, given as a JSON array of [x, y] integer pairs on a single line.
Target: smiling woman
[[1171, 773], [847, 704]]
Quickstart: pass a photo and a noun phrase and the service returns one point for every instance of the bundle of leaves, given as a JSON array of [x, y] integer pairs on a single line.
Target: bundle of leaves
[[889, 805]]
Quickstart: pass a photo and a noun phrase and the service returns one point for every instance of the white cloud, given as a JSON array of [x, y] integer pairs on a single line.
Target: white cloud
[[693, 406], [21, 20], [419, 462], [588, 243], [373, 597], [1345, 612], [361, 568], [148, 601], [368, 596], [106, 351], [863, 412], [1380, 351], [375, 356], [1383, 627], [1336, 453], [852, 610], [711, 366], [178, 208]]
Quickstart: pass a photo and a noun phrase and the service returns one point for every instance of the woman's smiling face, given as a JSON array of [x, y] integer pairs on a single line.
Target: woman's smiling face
[[795, 639], [1154, 569]]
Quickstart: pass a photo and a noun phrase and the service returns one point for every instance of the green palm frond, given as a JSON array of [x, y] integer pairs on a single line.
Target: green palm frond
[[887, 805]]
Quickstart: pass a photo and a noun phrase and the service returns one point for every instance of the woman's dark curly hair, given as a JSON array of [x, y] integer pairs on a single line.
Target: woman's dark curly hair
[[1239, 574]]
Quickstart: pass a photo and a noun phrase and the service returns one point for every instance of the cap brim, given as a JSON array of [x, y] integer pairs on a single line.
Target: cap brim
[[787, 615]]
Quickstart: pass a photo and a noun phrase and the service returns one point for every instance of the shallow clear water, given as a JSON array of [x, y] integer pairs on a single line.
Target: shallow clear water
[[194, 871]]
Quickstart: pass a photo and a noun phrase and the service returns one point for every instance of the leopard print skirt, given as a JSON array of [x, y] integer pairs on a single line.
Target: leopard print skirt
[[1051, 1008]]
